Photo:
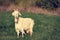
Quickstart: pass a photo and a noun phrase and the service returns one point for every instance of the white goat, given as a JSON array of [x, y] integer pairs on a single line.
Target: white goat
[[22, 24]]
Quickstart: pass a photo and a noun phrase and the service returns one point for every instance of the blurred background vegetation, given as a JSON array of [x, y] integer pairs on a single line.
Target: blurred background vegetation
[[47, 4]]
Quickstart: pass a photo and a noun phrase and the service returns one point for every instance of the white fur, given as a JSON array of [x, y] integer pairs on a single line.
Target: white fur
[[23, 24]]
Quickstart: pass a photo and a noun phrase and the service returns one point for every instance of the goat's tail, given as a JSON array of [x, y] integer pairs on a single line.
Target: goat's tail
[[32, 24]]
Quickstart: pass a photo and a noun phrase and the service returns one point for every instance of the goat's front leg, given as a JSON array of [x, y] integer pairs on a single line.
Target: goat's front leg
[[17, 34]]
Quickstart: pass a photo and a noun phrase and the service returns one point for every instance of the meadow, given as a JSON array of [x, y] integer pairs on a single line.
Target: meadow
[[47, 27]]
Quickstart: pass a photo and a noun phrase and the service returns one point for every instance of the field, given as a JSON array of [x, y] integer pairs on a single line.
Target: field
[[47, 27]]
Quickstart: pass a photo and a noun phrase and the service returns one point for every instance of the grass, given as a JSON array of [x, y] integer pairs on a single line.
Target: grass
[[47, 27]]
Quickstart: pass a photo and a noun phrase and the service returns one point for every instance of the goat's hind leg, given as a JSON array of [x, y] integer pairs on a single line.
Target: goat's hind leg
[[23, 33], [31, 31]]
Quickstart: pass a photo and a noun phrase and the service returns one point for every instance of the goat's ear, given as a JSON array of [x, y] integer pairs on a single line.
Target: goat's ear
[[12, 13], [19, 13]]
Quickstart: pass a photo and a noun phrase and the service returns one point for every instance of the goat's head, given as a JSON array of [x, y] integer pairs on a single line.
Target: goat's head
[[16, 13]]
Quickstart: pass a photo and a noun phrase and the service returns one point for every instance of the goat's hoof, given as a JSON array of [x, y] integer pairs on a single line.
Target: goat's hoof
[[17, 37], [22, 36]]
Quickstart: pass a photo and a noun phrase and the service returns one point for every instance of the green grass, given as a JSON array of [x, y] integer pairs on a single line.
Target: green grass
[[47, 27]]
